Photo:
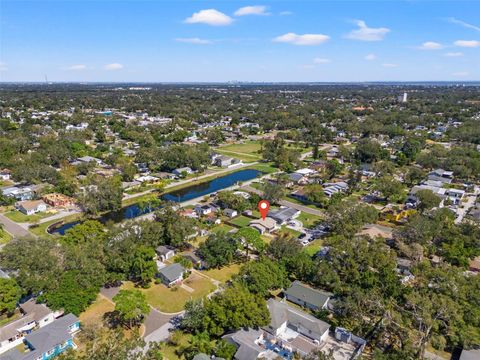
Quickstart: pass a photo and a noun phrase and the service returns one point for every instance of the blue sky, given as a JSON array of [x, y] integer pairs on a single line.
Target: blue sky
[[238, 40]]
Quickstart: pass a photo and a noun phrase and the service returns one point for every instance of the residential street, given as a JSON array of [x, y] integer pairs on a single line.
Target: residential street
[[13, 228]]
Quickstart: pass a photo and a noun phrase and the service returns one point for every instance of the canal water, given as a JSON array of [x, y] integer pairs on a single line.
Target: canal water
[[185, 194]]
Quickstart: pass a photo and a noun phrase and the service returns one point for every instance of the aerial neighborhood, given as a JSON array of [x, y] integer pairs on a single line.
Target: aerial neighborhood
[[130, 222]]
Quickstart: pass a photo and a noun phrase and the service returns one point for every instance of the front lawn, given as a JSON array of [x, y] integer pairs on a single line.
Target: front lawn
[[19, 217], [308, 220], [221, 227], [5, 237], [312, 248], [172, 300], [94, 314], [224, 274]]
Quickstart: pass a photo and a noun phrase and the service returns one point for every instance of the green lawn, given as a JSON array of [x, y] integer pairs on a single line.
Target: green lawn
[[19, 217], [224, 274], [267, 168], [246, 158], [247, 147], [312, 248], [308, 220], [222, 227], [41, 230], [292, 232], [241, 221], [5, 237], [173, 299]]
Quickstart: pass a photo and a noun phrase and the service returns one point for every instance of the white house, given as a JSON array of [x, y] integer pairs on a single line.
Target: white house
[[30, 207]]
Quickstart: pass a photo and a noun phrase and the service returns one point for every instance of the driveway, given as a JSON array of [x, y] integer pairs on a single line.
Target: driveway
[[13, 228], [156, 321]]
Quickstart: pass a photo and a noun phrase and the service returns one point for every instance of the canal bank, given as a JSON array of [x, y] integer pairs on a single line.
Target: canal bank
[[184, 194]]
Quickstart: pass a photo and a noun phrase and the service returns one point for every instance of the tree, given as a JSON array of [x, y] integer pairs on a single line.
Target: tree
[[131, 306], [218, 250], [90, 230], [273, 192], [414, 175], [283, 246], [9, 295], [368, 151], [333, 168], [315, 193], [224, 349], [195, 314], [390, 188], [251, 239], [427, 200], [198, 343], [144, 267], [230, 200], [176, 228], [261, 276], [348, 216], [102, 194]]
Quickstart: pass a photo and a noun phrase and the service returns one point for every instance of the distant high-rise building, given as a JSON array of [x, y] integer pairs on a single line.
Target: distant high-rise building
[[402, 98]]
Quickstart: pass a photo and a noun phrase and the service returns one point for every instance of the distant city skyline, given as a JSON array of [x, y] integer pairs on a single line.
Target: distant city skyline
[[220, 41]]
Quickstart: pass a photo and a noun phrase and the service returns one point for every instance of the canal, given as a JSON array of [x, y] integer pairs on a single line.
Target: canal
[[181, 195]]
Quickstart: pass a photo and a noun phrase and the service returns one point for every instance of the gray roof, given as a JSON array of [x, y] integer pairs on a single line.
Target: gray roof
[[281, 312], [433, 177], [283, 214], [172, 272], [295, 177], [44, 339], [245, 341], [315, 297], [201, 356], [470, 354], [164, 250]]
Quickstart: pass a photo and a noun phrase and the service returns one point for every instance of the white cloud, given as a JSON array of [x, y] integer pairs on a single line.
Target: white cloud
[[286, 13], [389, 65], [364, 33], [196, 41], [252, 10], [114, 66], [467, 43], [464, 24], [77, 67], [210, 17], [321, 61], [460, 73], [430, 45], [305, 39], [3, 66], [370, 57], [454, 54]]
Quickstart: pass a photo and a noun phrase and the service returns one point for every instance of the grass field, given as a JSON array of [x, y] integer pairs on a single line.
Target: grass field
[[5, 237], [241, 221], [222, 227], [308, 220], [247, 147], [95, 312], [312, 248], [172, 300], [19, 217], [246, 158], [224, 274], [5, 320]]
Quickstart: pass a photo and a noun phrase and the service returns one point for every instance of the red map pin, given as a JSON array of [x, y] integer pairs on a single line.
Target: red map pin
[[263, 207]]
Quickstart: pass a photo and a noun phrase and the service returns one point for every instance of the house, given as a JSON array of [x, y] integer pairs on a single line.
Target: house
[[231, 213], [297, 178], [165, 252], [58, 200], [5, 174], [308, 297], [305, 172], [290, 331], [284, 214], [203, 210], [300, 195], [181, 171], [442, 173], [331, 189], [30, 207], [48, 341], [264, 226], [34, 316], [194, 259], [223, 161], [19, 193], [172, 274]]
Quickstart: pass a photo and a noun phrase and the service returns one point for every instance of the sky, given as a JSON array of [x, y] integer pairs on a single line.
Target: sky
[[260, 41]]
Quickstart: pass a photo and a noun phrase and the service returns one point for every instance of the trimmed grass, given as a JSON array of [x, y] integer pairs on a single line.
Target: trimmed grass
[[169, 351], [267, 168], [222, 227], [312, 248], [246, 158], [247, 147], [95, 312], [19, 217], [41, 230], [172, 300], [241, 221], [292, 232], [308, 220], [5, 237], [224, 274]]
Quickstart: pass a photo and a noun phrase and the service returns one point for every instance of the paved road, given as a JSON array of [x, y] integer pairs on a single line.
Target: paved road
[[303, 208], [13, 228]]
